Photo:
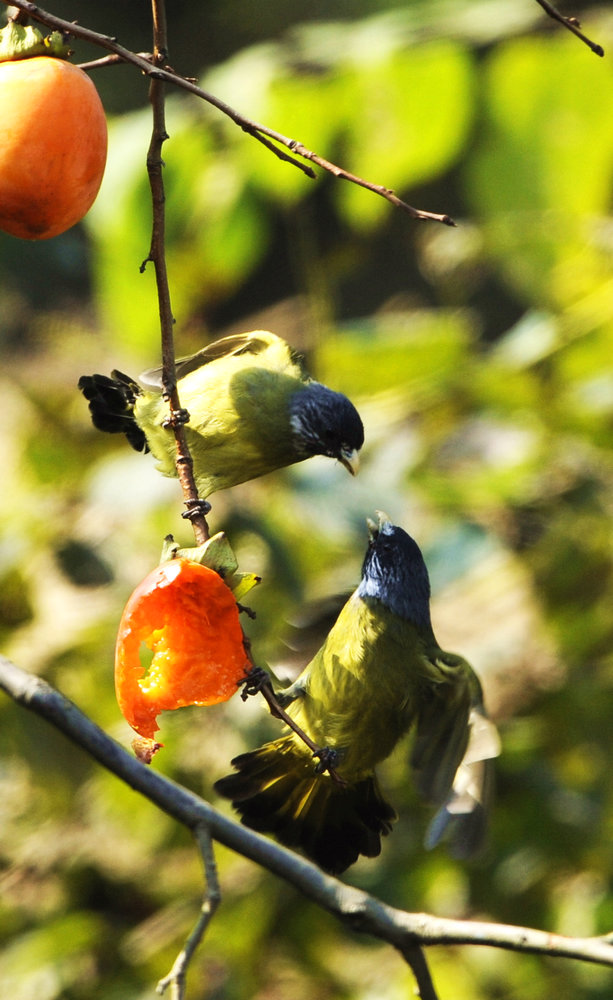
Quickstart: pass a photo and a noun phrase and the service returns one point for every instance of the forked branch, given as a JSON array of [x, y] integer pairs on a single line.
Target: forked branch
[[211, 900], [272, 140]]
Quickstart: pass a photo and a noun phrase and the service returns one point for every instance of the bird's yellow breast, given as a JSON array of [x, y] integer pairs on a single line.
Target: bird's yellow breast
[[363, 686]]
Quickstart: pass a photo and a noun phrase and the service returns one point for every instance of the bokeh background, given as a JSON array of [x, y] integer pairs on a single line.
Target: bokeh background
[[481, 360]]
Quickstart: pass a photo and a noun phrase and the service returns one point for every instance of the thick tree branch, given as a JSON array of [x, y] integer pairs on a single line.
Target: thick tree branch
[[267, 136], [355, 908]]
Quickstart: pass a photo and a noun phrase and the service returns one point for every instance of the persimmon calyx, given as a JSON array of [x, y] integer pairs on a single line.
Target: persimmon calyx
[[216, 554], [18, 41]]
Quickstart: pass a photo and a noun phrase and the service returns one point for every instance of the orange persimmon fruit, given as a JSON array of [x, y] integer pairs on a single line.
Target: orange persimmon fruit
[[53, 146], [185, 615]]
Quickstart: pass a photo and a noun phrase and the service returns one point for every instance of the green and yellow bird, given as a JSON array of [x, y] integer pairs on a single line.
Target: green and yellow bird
[[252, 409], [379, 672]]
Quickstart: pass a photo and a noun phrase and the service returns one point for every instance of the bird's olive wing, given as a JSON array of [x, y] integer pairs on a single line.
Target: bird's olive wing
[[241, 343], [442, 728], [463, 817]]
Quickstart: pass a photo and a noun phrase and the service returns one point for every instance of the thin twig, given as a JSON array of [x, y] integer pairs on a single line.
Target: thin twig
[[267, 136], [257, 681], [110, 60], [355, 908], [344, 175], [212, 898], [572, 24], [99, 63], [257, 133], [157, 256]]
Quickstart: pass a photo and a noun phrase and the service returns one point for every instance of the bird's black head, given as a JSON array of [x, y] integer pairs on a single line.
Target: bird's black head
[[325, 422], [394, 571]]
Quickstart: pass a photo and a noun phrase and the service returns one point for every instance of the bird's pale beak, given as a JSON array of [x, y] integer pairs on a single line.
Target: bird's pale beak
[[351, 461], [374, 527]]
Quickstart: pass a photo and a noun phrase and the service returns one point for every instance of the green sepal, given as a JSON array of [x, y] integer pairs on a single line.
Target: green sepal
[[18, 41], [217, 554], [241, 583]]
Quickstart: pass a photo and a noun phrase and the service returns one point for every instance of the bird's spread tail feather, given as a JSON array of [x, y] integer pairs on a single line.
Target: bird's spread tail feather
[[276, 790], [111, 404]]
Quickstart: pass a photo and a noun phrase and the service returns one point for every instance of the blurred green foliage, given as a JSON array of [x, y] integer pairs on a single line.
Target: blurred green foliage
[[481, 360]]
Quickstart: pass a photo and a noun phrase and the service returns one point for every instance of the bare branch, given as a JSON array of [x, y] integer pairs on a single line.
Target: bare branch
[[572, 24], [212, 898], [255, 134], [267, 136], [387, 193], [111, 60], [355, 908], [157, 255]]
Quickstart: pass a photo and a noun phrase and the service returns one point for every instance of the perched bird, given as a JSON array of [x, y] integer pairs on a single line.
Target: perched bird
[[379, 672], [252, 409]]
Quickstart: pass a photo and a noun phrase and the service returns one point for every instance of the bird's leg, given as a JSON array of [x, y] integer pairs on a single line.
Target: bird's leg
[[196, 508], [176, 418], [328, 757], [253, 682], [257, 681], [328, 761]]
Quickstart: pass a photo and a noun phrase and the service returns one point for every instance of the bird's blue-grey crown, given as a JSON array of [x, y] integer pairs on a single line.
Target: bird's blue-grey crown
[[325, 422], [394, 571]]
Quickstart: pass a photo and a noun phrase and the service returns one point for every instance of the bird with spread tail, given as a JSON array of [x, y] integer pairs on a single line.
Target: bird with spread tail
[[379, 673], [252, 407]]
